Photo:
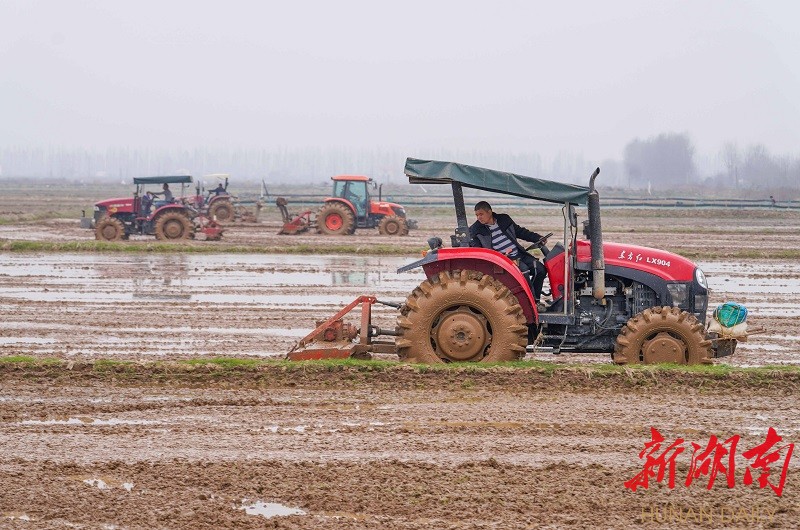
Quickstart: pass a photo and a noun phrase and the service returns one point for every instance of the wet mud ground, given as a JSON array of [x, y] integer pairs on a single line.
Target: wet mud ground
[[93, 445], [88, 447]]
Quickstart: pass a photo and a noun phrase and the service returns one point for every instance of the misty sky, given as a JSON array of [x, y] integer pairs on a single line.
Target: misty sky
[[578, 77]]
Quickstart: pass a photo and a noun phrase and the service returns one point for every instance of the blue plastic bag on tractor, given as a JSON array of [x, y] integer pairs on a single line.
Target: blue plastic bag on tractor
[[730, 314]]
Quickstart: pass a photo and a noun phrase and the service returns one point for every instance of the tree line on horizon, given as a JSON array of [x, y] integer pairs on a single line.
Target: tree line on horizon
[[665, 161]]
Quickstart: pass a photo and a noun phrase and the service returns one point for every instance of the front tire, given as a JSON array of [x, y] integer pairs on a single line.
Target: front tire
[[391, 225], [109, 229], [461, 316], [662, 335], [173, 226]]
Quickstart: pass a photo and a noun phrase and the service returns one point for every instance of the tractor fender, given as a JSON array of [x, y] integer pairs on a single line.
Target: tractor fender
[[217, 198], [343, 201], [168, 207], [483, 260]]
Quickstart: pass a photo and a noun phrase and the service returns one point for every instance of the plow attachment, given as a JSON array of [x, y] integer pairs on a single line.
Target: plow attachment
[[336, 339], [293, 224], [209, 227]]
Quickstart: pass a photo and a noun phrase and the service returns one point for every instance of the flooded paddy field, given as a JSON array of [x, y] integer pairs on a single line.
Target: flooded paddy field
[[148, 306], [90, 443]]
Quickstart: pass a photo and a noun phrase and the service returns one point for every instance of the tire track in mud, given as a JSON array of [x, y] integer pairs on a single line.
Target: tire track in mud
[[399, 449]]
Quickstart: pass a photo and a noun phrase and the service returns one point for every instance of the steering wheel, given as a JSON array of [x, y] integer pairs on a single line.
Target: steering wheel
[[542, 241]]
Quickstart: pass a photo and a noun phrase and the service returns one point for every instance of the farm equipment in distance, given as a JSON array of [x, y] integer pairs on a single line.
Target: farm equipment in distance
[[350, 207], [118, 219], [641, 305], [218, 203]]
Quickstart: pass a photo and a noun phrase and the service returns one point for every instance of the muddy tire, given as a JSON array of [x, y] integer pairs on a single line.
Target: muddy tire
[[461, 316], [662, 335], [335, 219], [109, 229], [171, 226], [391, 225], [221, 210]]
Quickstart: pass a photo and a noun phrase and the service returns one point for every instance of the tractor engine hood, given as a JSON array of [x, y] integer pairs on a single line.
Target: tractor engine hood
[[399, 210], [121, 204], [666, 265]]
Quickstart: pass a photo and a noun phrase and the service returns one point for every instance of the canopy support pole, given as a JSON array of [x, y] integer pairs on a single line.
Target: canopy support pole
[[461, 237]]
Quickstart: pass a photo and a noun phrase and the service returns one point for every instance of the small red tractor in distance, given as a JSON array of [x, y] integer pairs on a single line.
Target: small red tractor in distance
[[117, 219], [641, 305], [351, 207], [215, 203]]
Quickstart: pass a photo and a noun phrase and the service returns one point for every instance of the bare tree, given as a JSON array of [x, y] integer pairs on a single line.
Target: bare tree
[[731, 159], [666, 160]]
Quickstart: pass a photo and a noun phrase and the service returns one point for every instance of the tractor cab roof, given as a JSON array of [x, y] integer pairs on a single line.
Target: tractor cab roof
[[181, 179], [436, 172], [351, 177]]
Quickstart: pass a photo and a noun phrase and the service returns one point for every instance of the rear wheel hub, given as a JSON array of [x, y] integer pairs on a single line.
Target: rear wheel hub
[[461, 334], [333, 222], [173, 229]]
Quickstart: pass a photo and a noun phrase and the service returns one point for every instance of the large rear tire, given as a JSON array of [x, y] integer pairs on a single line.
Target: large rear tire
[[109, 229], [662, 335], [173, 226], [461, 316], [222, 210], [335, 219], [391, 225]]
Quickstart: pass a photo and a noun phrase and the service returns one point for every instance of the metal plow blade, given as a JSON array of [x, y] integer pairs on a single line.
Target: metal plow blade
[[336, 339]]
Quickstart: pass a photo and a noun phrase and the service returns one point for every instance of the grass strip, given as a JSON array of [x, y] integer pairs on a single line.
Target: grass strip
[[520, 375]]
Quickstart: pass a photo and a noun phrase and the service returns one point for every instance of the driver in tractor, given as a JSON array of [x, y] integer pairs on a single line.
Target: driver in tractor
[[499, 232], [168, 197], [147, 202]]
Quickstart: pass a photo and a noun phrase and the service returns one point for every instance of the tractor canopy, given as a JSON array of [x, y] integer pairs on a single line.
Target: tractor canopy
[[436, 172], [180, 179]]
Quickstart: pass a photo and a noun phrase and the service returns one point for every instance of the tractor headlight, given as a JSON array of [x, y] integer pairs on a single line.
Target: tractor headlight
[[701, 278], [400, 212], [678, 293]]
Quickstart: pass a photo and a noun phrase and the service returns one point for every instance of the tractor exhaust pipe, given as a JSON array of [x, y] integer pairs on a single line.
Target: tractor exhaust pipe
[[596, 237]]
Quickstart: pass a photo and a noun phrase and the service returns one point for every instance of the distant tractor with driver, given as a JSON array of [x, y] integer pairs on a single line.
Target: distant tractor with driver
[[351, 207], [171, 219]]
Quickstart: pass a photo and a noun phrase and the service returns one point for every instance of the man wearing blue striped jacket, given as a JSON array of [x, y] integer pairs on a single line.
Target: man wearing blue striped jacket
[[500, 233]]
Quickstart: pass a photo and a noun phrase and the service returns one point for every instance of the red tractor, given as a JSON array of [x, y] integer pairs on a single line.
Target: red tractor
[[117, 219], [217, 203], [351, 207], [642, 305]]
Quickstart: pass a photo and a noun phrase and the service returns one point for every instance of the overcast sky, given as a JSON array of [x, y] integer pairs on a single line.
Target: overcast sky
[[578, 77]]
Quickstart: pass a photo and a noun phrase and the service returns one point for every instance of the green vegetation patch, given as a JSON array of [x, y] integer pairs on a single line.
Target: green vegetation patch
[[198, 247], [223, 362], [348, 373]]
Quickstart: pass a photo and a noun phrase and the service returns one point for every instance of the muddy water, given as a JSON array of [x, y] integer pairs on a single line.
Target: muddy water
[[140, 305]]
